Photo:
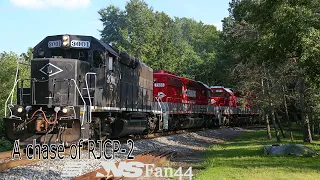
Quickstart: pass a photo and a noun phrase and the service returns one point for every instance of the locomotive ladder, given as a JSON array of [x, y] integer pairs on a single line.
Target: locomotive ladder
[[164, 116], [89, 91]]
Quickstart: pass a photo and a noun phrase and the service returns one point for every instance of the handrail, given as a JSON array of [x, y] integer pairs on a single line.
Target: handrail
[[160, 113], [84, 102], [15, 79], [89, 96], [11, 94]]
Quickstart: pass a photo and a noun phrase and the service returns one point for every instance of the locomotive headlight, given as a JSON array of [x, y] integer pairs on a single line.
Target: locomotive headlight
[[65, 110], [65, 40], [65, 43], [20, 109]]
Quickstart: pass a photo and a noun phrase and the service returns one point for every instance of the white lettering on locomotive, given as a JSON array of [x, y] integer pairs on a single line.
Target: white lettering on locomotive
[[159, 84], [80, 44], [54, 44], [191, 93]]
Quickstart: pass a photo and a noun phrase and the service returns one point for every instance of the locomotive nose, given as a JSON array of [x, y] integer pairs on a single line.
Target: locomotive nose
[[54, 68], [51, 80]]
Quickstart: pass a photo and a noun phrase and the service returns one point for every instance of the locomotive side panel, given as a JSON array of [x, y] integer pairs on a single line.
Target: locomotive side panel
[[136, 86], [186, 101], [145, 87], [167, 86]]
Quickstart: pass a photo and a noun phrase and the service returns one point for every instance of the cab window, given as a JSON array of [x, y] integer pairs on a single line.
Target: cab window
[[70, 54], [97, 59], [217, 93]]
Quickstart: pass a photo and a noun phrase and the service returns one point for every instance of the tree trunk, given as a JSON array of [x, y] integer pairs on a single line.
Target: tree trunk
[[280, 125], [308, 137], [272, 111], [275, 125], [312, 124], [287, 113], [268, 126], [304, 116], [317, 126]]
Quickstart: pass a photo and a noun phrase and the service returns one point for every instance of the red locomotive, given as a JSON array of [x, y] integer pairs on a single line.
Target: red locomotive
[[185, 102], [236, 107], [188, 103]]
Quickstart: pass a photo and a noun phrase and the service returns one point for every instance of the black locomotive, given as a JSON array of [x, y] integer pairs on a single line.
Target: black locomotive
[[83, 88]]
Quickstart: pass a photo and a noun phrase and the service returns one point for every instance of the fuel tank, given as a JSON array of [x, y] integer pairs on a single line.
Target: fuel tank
[[135, 124], [192, 122]]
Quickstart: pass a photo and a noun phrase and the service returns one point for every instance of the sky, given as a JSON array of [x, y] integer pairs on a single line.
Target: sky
[[24, 23]]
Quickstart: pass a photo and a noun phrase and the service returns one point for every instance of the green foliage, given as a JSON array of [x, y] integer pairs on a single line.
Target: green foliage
[[8, 66], [180, 45], [270, 32], [243, 158], [259, 39], [27, 56], [5, 145]]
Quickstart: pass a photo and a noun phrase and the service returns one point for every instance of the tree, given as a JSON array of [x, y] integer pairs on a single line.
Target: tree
[[8, 66], [270, 32], [180, 45], [27, 56]]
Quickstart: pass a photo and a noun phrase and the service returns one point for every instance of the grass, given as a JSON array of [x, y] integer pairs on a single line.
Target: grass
[[243, 159]]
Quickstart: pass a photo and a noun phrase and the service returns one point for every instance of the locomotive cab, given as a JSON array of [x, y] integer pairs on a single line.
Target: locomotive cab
[[223, 96]]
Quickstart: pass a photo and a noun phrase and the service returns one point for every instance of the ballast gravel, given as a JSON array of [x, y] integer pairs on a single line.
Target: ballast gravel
[[68, 168]]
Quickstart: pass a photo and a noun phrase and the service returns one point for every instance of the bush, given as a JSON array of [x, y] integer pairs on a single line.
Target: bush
[[5, 145]]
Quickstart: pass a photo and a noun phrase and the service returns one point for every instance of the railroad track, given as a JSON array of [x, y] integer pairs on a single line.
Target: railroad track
[[154, 157], [160, 134], [6, 160]]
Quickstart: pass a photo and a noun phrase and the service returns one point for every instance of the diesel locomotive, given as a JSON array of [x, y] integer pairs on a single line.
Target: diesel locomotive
[[81, 87]]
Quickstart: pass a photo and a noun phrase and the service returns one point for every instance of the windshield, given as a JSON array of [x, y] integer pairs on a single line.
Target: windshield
[[70, 54], [217, 93]]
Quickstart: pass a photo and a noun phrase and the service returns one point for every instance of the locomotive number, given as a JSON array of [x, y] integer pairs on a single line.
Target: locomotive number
[[191, 93], [158, 84], [80, 44], [54, 44]]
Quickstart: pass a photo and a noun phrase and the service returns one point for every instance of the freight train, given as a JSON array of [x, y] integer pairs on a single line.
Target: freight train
[[83, 88]]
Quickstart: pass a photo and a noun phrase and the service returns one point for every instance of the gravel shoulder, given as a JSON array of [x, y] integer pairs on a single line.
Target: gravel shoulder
[[187, 146]]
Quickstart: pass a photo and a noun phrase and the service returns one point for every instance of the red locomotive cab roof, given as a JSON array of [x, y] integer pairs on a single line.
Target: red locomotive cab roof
[[195, 92], [163, 72], [216, 90], [223, 96]]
